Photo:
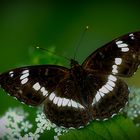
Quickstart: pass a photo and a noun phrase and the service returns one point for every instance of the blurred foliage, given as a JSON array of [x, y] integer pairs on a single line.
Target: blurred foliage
[[133, 108], [45, 56]]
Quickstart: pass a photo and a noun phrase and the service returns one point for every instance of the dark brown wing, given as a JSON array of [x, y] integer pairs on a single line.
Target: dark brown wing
[[102, 95], [64, 106], [120, 57], [97, 96], [32, 84], [110, 96]]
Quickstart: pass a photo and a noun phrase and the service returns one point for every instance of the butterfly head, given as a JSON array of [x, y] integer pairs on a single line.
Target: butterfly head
[[76, 70], [73, 63]]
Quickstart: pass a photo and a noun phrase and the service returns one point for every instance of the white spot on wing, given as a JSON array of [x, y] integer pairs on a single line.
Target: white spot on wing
[[24, 76], [112, 78], [55, 100], [80, 106], [108, 87], [111, 83], [119, 42], [123, 45], [74, 104], [102, 94], [114, 66], [94, 101], [124, 49], [24, 81], [132, 36], [69, 104], [60, 100], [114, 69], [11, 73], [65, 102], [105, 119], [52, 95], [25, 71], [118, 61], [113, 115], [44, 91], [36, 86], [97, 96], [103, 89]]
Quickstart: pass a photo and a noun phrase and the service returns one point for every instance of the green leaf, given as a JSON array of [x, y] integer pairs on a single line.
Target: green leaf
[[117, 128]]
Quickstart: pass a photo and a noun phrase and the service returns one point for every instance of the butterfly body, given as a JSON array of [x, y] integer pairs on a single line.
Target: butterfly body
[[74, 97]]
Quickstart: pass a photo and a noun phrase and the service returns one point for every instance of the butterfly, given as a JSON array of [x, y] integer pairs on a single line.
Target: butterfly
[[73, 97]]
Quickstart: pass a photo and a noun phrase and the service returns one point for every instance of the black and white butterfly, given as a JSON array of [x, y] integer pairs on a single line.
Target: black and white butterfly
[[73, 97]]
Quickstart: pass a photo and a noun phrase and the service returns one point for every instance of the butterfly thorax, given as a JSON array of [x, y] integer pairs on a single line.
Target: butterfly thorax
[[73, 63], [77, 72], [79, 76]]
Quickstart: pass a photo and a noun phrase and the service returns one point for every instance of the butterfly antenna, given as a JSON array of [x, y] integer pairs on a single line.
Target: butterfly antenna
[[46, 50], [79, 42]]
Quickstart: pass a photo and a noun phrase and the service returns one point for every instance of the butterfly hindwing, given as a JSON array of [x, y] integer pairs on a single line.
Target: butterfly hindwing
[[32, 84], [64, 106], [101, 97], [110, 96], [120, 57]]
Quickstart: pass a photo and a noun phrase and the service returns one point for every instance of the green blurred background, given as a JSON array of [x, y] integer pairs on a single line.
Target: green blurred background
[[25, 24]]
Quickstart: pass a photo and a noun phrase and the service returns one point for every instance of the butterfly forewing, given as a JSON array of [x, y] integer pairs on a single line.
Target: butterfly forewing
[[32, 84], [120, 57]]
